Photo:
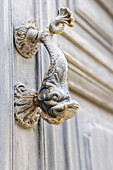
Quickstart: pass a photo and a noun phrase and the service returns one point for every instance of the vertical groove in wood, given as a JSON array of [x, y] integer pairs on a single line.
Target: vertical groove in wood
[[39, 55], [4, 134], [49, 144], [61, 153], [64, 3], [78, 144], [70, 5], [6, 86], [11, 83], [50, 152], [67, 143]]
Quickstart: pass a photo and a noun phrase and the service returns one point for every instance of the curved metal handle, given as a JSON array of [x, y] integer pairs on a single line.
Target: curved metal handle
[[52, 102]]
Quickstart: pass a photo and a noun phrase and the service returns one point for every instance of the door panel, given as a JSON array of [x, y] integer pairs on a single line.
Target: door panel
[[44, 146], [89, 50], [25, 141], [98, 140]]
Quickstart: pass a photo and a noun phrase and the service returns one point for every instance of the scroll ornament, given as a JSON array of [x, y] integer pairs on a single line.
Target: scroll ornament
[[52, 102]]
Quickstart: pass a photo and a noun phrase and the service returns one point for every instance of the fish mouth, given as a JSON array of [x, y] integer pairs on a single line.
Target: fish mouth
[[61, 112], [62, 107], [73, 104]]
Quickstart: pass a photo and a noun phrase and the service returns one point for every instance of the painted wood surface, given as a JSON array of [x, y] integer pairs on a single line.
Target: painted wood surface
[[6, 86], [84, 142]]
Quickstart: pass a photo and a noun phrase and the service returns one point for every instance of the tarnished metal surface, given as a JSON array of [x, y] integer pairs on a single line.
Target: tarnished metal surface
[[52, 102], [26, 39], [25, 108]]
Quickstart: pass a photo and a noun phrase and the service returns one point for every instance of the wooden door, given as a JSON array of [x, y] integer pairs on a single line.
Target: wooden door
[[85, 141]]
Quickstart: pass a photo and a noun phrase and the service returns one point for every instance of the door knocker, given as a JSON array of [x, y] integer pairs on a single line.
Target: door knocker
[[52, 102]]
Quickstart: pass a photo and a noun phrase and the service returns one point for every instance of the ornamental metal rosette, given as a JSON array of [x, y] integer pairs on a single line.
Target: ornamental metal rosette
[[52, 102]]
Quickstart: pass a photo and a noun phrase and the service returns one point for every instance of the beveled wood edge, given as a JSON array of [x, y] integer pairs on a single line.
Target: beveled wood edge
[[94, 25], [87, 72], [96, 81], [95, 99], [88, 48]]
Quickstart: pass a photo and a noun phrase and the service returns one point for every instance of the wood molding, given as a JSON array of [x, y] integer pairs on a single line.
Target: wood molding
[[92, 19], [93, 33], [89, 49], [94, 140], [87, 72], [90, 96], [108, 5], [88, 85], [6, 86]]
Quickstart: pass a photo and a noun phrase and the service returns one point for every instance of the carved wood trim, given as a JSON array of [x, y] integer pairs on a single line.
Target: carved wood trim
[[88, 48]]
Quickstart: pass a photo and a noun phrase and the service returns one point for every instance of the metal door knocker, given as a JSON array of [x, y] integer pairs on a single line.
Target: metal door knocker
[[52, 102]]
